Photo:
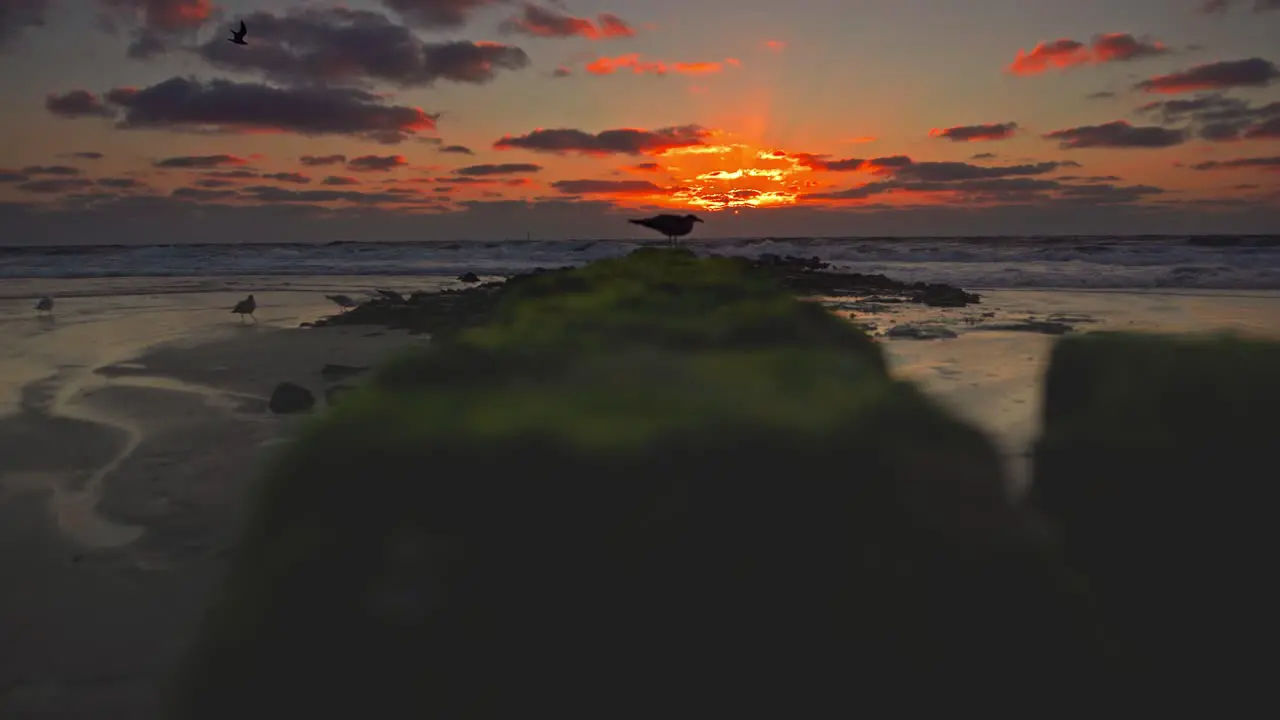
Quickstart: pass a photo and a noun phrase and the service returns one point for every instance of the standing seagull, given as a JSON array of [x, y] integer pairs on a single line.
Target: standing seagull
[[673, 226], [246, 307], [45, 304], [238, 37]]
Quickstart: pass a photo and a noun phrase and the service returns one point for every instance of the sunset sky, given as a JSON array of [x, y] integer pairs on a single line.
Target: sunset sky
[[136, 121]]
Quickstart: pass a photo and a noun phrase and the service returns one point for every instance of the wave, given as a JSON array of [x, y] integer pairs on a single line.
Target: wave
[[1208, 262]]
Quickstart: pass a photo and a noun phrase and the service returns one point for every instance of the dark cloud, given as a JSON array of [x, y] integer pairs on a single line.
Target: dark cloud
[[608, 142], [438, 13], [561, 72], [339, 180], [539, 21], [608, 187], [1216, 117], [11, 176], [226, 106], [456, 149], [17, 16], [77, 103], [231, 174], [289, 177], [202, 194], [645, 167], [1219, 7], [202, 162], [823, 164], [376, 163], [501, 169], [1117, 134], [321, 160], [984, 156], [1252, 72], [1007, 190], [156, 25], [215, 183], [1102, 95], [952, 171], [1269, 163], [121, 183], [114, 220], [85, 155], [55, 186], [343, 46], [63, 170], [273, 194], [977, 133], [1269, 130]]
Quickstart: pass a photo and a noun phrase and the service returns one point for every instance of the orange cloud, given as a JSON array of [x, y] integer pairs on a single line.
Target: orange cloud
[[639, 66], [1067, 53]]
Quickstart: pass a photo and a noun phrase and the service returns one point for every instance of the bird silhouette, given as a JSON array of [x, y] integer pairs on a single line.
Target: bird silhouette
[[45, 304], [343, 301], [673, 226], [246, 307], [238, 37]]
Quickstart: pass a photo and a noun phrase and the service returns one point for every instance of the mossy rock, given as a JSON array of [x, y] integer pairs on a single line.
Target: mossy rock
[[651, 486], [1153, 465], [642, 532]]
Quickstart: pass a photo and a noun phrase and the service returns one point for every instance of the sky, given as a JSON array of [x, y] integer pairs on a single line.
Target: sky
[[136, 121]]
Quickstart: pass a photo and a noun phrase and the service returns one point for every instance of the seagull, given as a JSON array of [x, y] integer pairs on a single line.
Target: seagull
[[45, 304], [238, 37], [246, 307], [343, 301], [673, 226]]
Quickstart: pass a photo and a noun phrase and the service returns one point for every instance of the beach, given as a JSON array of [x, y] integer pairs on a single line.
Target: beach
[[134, 421]]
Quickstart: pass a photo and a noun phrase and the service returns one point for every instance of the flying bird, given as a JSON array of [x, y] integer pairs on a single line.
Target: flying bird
[[673, 226], [238, 37], [45, 304], [246, 307], [344, 302]]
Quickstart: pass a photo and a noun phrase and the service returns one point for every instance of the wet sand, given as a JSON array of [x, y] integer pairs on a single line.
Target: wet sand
[[132, 427], [123, 475]]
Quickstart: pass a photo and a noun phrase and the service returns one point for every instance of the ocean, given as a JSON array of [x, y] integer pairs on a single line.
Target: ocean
[[1146, 262]]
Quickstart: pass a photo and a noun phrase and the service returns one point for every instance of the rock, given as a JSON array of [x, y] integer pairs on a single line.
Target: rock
[[424, 526], [291, 398], [1153, 467], [1046, 327], [332, 394], [333, 371], [469, 277], [920, 332]]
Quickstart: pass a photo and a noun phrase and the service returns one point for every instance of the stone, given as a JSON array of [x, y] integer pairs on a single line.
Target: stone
[[291, 398]]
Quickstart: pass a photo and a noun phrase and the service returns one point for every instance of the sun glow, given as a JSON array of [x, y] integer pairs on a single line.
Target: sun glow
[[730, 176]]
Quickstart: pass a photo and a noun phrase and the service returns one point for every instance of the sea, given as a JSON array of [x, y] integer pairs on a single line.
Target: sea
[[1064, 262]]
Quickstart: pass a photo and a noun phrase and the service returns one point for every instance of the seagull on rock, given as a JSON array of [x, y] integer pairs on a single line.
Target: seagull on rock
[[45, 304], [238, 37], [246, 307], [673, 226]]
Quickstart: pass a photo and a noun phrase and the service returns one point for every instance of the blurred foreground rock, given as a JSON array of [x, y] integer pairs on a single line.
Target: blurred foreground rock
[[1153, 466]]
